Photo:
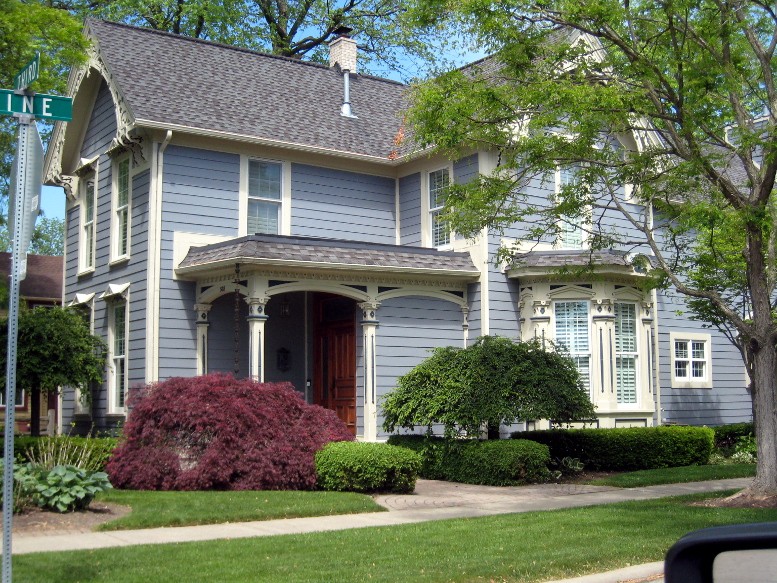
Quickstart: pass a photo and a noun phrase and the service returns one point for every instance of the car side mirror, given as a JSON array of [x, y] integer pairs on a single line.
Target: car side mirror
[[724, 554]]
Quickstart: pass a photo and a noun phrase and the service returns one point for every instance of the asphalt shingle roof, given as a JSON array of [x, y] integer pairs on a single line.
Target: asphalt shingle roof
[[177, 80], [44, 276], [335, 252], [571, 258]]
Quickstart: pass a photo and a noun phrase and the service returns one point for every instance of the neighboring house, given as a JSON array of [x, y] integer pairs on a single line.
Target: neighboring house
[[233, 211], [41, 287]]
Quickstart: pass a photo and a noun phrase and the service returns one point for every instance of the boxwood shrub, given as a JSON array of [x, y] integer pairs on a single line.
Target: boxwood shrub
[[367, 467], [632, 448], [471, 461]]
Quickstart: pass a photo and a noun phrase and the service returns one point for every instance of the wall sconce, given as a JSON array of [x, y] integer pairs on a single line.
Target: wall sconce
[[285, 309]]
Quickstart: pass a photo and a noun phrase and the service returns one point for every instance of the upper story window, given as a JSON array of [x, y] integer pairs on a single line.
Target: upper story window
[[88, 220], [571, 229], [691, 360], [573, 332], [626, 374], [122, 187], [264, 197], [440, 230]]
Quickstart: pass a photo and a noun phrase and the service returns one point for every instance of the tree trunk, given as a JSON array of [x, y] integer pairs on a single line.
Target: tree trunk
[[765, 405], [35, 412]]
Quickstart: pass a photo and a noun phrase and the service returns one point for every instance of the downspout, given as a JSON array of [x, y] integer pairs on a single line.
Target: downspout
[[656, 353], [154, 260]]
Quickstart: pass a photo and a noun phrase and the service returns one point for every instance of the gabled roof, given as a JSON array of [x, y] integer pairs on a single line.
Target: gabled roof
[[44, 276], [175, 82], [330, 254]]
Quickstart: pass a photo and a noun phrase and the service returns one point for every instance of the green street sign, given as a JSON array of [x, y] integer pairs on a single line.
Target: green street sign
[[39, 105], [28, 74]]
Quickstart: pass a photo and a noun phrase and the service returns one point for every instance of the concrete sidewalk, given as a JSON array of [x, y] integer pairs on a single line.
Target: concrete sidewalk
[[432, 500]]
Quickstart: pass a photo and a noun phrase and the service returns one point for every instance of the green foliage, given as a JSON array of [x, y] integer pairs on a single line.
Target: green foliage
[[55, 349], [366, 467], [66, 488], [493, 381], [632, 448], [726, 436], [745, 451], [88, 453], [471, 461]]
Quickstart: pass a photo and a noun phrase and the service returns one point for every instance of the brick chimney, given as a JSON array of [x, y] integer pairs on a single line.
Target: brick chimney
[[342, 50]]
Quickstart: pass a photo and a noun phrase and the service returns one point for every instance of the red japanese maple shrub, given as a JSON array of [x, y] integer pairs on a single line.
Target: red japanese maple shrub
[[216, 432]]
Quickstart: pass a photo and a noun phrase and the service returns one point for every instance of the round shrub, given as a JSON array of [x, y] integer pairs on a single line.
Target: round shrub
[[216, 432], [367, 467], [503, 463]]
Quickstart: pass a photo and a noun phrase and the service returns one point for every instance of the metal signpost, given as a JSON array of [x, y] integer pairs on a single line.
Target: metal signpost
[[26, 175]]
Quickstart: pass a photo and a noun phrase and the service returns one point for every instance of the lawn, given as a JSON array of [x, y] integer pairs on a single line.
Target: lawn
[[519, 547], [151, 509], [676, 475]]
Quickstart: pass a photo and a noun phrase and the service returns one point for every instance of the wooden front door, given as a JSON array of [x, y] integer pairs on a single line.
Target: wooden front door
[[335, 357]]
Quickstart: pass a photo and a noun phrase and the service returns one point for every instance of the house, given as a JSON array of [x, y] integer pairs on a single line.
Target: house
[[42, 287], [234, 211]]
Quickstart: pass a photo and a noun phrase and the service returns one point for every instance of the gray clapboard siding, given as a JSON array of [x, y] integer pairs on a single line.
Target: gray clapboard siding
[[474, 317], [465, 169], [200, 195], [410, 209], [727, 401], [342, 205], [221, 336], [410, 327], [102, 124]]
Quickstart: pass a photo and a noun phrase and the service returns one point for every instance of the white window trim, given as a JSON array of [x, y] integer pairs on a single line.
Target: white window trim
[[83, 251], [426, 210], [682, 383], [590, 388], [111, 303], [638, 327], [284, 222], [562, 224], [116, 255], [83, 301]]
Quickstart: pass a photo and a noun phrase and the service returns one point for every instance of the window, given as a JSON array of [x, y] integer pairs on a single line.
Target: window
[[264, 197], [570, 228], [118, 346], [121, 215], [690, 360], [18, 397], [572, 331], [439, 180], [87, 222], [626, 352]]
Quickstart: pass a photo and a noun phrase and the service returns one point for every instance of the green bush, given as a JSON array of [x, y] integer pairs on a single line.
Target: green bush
[[493, 381], [88, 453], [471, 461], [726, 436], [633, 448], [366, 467]]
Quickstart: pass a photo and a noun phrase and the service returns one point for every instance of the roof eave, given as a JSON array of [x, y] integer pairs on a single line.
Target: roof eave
[[565, 273], [459, 275]]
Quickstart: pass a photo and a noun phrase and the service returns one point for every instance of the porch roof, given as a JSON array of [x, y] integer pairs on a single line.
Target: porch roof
[[332, 254], [566, 262]]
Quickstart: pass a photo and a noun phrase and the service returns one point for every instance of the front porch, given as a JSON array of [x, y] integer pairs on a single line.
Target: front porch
[[307, 311]]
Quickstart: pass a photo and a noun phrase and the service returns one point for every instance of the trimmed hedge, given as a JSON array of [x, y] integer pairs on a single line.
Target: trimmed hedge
[[726, 436], [492, 463], [632, 448], [367, 467]]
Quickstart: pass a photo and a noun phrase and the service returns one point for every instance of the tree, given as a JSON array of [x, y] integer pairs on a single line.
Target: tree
[[55, 349], [47, 239], [493, 381], [693, 82], [299, 29]]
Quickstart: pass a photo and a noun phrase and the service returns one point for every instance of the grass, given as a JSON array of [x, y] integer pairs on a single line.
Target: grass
[[152, 509], [510, 548], [676, 475]]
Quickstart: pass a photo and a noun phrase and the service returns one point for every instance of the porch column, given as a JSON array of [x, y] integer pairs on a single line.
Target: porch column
[[602, 355], [202, 337], [369, 325], [257, 317]]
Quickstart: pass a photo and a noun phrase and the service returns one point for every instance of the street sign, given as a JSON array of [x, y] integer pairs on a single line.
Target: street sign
[[40, 105], [26, 180], [28, 74]]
